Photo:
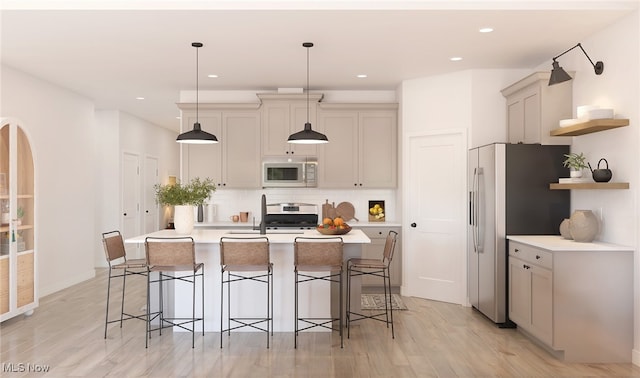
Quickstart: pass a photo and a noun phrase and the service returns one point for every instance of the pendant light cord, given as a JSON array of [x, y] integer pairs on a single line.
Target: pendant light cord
[[197, 89], [308, 83]]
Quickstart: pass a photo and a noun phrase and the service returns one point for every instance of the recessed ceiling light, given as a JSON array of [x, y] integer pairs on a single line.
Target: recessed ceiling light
[[139, 98], [361, 76], [455, 58], [213, 76], [485, 30]]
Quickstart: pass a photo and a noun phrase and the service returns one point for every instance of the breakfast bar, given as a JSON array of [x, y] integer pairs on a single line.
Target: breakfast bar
[[318, 298]]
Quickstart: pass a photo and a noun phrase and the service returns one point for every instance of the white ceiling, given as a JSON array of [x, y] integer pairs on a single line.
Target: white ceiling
[[113, 54]]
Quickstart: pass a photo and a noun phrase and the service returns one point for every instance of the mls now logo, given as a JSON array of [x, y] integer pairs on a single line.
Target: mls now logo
[[10, 367]]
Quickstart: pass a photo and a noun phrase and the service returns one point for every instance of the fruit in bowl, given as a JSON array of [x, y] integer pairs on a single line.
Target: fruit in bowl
[[335, 226]]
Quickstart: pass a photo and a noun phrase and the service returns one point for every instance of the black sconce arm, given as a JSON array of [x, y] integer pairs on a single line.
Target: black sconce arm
[[598, 67]]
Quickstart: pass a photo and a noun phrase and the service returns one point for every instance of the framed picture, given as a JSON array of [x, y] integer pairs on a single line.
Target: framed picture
[[376, 211]]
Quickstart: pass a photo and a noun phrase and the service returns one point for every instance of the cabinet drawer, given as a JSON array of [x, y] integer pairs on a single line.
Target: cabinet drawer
[[531, 255], [379, 232]]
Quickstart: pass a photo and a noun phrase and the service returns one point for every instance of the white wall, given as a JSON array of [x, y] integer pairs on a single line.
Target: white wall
[[121, 132], [61, 128], [618, 46]]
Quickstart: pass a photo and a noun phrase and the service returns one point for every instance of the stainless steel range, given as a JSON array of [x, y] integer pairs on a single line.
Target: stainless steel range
[[291, 215]]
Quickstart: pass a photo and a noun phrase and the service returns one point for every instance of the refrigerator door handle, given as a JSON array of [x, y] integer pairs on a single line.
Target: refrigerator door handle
[[478, 220], [474, 220]]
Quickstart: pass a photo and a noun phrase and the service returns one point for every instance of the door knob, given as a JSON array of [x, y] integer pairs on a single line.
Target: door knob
[[414, 225]]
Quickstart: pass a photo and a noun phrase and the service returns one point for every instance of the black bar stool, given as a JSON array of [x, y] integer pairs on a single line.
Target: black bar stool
[[246, 259], [173, 259], [373, 267], [317, 259], [114, 251]]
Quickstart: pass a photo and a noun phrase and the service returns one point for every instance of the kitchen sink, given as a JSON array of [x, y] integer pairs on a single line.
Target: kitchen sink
[[278, 231]]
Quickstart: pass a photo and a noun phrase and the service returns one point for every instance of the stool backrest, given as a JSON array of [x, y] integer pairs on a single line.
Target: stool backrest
[[318, 251], [113, 246], [389, 247], [244, 251], [170, 251]]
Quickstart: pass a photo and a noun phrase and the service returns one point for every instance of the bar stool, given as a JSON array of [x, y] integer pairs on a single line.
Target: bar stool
[[373, 267], [114, 250], [173, 259], [317, 259], [246, 259]]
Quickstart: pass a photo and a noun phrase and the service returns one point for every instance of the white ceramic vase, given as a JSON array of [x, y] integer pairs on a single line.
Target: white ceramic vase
[[583, 226], [564, 229], [183, 219], [575, 173]]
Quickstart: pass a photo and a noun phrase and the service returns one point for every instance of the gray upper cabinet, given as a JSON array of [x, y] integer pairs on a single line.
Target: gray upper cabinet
[[283, 115], [534, 109], [362, 148], [235, 161]]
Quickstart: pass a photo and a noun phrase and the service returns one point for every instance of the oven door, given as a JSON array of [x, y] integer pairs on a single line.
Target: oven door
[[283, 174]]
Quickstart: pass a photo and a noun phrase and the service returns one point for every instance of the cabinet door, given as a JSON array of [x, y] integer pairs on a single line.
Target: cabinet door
[[377, 147], [298, 119], [531, 121], [515, 120], [541, 324], [241, 146], [275, 128], [519, 292], [204, 160], [338, 159], [281, 119]]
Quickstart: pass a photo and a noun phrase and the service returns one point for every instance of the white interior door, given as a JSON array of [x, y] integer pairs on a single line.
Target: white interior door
[[434, 241], [150, 207], [130, 216]]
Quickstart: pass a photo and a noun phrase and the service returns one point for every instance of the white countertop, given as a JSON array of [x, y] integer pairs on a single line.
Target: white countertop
[[557, 243], [245, 225], [210, 236]]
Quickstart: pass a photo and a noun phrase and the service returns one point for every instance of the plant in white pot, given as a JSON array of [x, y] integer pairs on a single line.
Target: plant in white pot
[[184, 197], [576, 163]]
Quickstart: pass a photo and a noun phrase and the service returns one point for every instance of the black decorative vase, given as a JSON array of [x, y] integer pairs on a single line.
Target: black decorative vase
[[200, 213]]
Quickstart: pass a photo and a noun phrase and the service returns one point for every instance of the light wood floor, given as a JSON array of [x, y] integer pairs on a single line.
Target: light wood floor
[[433, 339]]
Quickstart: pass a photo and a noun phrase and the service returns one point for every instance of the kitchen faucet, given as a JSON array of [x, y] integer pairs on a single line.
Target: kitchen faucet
[[263, 215]]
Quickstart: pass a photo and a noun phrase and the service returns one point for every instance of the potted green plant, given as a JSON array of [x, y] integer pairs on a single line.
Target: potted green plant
[[576, 163], [183, 197]]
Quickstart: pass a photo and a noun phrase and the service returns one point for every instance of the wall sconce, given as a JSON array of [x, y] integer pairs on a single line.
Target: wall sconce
[[559, 75]]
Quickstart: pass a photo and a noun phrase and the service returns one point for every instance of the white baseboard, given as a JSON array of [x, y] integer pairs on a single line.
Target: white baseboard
[[70, 281]]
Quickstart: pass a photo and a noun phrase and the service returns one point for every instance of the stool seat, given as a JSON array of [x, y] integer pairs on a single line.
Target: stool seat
[[176, 268]]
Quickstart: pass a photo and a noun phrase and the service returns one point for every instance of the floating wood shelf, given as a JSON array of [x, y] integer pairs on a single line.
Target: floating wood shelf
[[588, 127], [589, 185]]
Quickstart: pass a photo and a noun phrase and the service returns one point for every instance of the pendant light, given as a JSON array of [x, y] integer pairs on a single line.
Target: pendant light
[[197, 135], [307, 136]]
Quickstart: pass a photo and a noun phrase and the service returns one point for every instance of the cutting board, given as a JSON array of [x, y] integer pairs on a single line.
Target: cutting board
[[325, 209], [346, 211]]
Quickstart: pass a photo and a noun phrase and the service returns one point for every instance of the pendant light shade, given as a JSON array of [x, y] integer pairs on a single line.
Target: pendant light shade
[[307, 136], [559, 75], [197, 135]]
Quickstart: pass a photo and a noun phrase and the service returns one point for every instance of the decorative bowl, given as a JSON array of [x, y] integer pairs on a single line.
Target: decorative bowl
[[334, 231]]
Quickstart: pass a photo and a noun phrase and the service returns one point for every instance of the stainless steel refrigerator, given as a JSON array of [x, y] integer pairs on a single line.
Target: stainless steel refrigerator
[[509, 195]]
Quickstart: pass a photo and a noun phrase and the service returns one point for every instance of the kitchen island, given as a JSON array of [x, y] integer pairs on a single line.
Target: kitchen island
[[317, 298]]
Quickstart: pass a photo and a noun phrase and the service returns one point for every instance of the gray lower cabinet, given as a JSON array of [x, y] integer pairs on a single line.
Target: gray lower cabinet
[[575, 299], [378, 236]]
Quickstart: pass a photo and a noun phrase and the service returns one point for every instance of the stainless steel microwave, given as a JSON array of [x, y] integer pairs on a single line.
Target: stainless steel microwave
[[289, 173]]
